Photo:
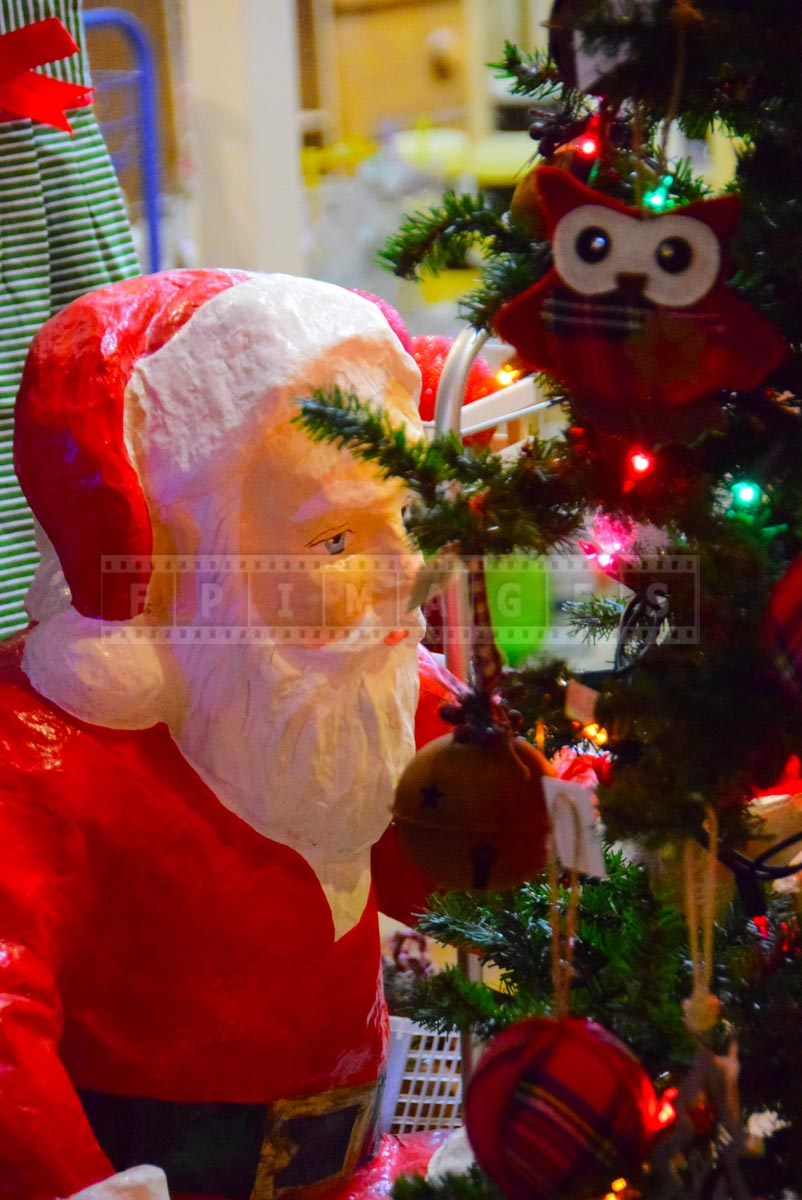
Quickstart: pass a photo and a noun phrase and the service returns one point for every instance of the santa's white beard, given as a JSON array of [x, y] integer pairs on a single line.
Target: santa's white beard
[[306, 745]]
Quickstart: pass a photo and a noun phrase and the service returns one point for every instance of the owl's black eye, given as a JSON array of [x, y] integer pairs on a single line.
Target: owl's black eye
[[593, 244], [674, 255]]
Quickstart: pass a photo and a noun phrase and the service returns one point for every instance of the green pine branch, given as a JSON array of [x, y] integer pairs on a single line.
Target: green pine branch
[[631, 969], [503, 276], [441, 236], [534, 74], [499, 507], [476, 1185], [448, 1001], [668, 718], [531, 73], [330, 414], [537, 691], [630, 960], [593, 617]]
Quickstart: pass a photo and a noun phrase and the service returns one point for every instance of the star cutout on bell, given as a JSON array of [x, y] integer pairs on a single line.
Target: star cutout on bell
[[430, 796]]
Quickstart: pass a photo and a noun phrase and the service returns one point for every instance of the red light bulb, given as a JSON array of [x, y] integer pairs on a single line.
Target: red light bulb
[[640, 463], [589, 146], [667, 1113]]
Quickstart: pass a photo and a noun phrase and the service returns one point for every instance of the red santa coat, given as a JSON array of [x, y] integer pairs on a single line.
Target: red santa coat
[[153, 945]]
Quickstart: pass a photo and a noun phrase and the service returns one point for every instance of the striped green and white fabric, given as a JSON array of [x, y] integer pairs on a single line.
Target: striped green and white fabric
[[63, 232]]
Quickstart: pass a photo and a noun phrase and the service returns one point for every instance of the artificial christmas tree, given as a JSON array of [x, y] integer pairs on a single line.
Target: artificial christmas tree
[[666, 322]]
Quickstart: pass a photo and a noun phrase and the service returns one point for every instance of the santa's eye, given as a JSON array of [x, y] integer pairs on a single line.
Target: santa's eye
[[336, 544], [593, 244], [333, 541], [674, 255]]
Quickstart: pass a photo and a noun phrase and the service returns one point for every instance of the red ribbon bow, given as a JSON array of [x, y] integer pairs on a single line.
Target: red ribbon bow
[[23, 93]]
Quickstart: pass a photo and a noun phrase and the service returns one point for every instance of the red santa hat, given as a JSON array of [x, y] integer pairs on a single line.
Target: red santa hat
[[69, 449], [195, 365]]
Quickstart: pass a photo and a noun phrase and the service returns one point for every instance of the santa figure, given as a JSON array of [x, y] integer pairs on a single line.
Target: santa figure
[[201, 734]]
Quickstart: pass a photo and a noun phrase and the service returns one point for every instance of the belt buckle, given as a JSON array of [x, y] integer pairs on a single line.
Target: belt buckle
[[327, 1114]]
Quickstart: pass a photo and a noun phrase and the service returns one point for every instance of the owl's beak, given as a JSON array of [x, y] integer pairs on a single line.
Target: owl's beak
[[631, 283]]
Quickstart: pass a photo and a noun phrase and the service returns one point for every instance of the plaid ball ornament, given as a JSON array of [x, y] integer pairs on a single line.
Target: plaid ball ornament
[[555, 1106]]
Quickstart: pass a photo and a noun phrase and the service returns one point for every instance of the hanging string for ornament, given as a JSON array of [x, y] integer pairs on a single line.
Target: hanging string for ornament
[[711, 1164], [683, 14], [477, 712], [701, 1010], [487, 663], [563, 931]]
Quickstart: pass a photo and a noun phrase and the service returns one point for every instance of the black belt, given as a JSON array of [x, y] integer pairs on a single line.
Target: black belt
[[240, 1151]]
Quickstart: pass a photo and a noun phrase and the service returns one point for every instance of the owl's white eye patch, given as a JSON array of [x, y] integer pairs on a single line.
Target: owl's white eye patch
[[678, 258], [685, 259], [589, 244]]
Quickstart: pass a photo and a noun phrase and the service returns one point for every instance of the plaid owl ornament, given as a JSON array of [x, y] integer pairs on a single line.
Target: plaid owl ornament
[[635, 316]]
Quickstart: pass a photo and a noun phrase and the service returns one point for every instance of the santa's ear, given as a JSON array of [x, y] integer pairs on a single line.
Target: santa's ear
[[560, 193]]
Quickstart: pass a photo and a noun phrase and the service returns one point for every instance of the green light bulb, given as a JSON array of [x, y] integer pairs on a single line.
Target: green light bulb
[[746, 494], [655, 199], [658, 198]]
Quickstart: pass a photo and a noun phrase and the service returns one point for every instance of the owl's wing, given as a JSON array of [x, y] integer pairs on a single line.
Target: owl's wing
[[520, 322], [755, 347]]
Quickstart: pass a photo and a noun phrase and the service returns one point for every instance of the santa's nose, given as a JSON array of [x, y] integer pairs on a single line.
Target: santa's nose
[[631, 281]]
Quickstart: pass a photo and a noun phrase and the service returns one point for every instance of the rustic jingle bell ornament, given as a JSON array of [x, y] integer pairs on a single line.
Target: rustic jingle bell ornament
[[471, 813]]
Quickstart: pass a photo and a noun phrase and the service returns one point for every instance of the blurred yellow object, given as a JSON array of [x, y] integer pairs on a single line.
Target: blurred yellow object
[[341, 157], [449, 285], [501, 159], [498, 160], [723, 151], [596, 734], [507, 375], [440, 152]]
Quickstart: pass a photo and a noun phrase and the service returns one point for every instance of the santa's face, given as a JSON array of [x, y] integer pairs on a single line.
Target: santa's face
[[276, 640], [346, 561], [318, 687]]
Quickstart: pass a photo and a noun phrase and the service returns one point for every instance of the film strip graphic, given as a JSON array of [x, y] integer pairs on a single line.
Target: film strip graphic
[[312, 599]]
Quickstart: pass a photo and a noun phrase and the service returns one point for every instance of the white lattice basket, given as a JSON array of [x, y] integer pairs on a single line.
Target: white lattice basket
[[423, 1087]]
